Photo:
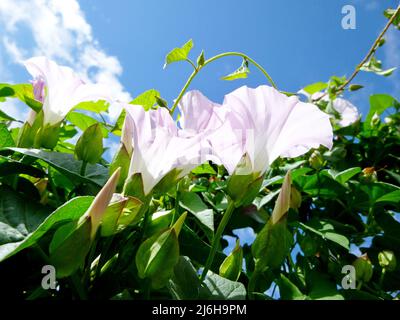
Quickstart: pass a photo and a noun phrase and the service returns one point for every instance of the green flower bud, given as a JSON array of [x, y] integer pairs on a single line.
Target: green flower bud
[[89, 147], [316, 160], [363, 268], [121, 160], [309, 246], [295, 198], [158, 255], [121, 212], [387, 260], [231, 267], [375, 120], [244, 185], [47, 137]]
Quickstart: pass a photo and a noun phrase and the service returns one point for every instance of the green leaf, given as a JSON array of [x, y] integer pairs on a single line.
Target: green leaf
[[378, 104], [219, 288], [69, 166], [344, 176], [69, 211], [89, 146], [93, 106], [240, 73], [369, 193], [288, 290], [117, 129], [389, 13], [392, 197], [178, 54], [4, 116], [193, 203], [322, 288], [200, 59], [184, 283], [375, 65], [204, 168], [272, 245], [83, 121], [19, 217], [6, 139], [315, 87], [69, 247], [321, 184], [157, 257], [10, 167], [147, 99], [161, 102], [326, 231], [23, 92]]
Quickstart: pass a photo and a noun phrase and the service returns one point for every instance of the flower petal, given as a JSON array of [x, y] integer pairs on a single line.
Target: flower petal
[[64, 88]]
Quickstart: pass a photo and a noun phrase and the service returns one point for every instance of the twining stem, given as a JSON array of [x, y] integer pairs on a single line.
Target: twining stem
[[366, 58], [218, 56], [217, 237]]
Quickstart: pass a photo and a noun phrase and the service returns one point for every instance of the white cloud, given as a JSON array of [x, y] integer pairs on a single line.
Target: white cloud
[[392, 57], [59, 30]]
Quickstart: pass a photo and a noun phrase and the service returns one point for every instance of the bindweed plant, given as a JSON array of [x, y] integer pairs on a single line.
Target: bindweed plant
[[318, 187]]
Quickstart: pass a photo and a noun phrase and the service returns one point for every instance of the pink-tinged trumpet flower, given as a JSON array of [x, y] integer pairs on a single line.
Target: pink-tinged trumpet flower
[[60, 89], [100, 203], [348, 112], [198, 114], [158, 148], [263, 124]]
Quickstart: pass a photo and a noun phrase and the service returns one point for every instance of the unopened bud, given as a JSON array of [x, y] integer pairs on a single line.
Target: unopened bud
[[375, 120], [316, 160], [387, 260], [369, 175], [295, 198], [363, 268]]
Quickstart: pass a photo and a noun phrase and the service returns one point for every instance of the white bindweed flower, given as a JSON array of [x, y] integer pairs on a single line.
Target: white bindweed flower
[[263, 124], [157, 147], [347, 111], [60, 89]]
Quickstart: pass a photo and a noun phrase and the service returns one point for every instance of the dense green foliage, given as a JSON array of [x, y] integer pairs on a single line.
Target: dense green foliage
[[340, 199]]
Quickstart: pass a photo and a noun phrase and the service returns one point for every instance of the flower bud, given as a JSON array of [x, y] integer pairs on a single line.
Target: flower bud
[[369, 175], [158, 255], [316, 160], [295, 198], [309, 246], [387, 260], [375, 120], [363, 268], [231, 267], [89, 147]]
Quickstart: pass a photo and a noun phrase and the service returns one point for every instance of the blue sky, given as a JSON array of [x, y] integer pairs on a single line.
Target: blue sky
[[124, 42]]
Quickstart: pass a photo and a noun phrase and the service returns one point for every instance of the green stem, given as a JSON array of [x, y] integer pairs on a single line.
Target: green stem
[[191, 62], [219, 56], [382, 277], [217, 237], [83, 168], [176, 207], [252, 284]]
